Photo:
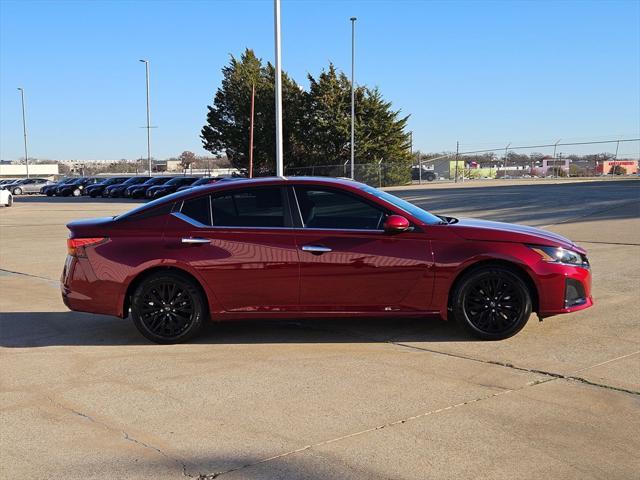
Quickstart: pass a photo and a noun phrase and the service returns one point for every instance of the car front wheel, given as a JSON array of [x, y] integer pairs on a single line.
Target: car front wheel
[[492, 303], [168, 308], [17, 191]]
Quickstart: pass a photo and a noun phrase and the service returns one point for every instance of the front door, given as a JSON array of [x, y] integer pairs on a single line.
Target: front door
[[348, 262]]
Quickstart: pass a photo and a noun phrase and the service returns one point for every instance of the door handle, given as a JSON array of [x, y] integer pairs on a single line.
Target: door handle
[[315, 249], [195, 241]]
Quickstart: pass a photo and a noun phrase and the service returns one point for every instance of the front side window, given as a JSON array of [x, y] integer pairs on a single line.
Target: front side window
[[251, 207], [327, 208]]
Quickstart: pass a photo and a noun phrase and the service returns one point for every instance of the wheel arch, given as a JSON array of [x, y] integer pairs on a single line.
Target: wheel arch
[[512, 266], [143, 275]]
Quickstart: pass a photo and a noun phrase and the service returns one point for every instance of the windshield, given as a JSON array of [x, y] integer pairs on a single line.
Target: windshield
[[180, 181], [202, 181], [157, 180], [135, 180], [111, 181], [410, 208]]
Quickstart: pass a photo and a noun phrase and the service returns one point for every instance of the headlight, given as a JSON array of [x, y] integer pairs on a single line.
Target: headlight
[[561, 255]]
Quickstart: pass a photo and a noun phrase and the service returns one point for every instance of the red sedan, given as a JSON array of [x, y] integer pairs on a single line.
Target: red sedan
[[315, 247]]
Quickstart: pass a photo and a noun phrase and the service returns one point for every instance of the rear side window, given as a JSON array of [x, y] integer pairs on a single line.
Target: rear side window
[[198, 209], [252, 207]]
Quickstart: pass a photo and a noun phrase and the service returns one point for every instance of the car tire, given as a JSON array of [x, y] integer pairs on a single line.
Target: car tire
[[17, 191], [431, 178], [77, 192], [10, 201], [49, 193], [168, 308], [492, 303]]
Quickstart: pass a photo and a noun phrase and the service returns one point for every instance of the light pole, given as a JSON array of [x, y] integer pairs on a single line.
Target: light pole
[[146, 64], [24, 129], [278, 74], [353, 96]]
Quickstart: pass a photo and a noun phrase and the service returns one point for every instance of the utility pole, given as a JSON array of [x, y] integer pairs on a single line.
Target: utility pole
[[555, 146], [146, 64], [253, 99], [506, 158], [24, 129], [457, 152], [353, 96], [278, 74]]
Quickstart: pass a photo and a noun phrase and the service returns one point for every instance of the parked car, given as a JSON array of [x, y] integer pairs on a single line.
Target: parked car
[[8, 183], [6, 198], [29, 185], [77, 187], [171, 186], [140, 191], [97, 189], [206, 181], [118, 189], [315, 247], [50, 190]]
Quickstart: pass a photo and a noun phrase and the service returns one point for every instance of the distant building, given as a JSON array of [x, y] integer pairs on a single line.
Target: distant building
[[606, 167], [42, 170]]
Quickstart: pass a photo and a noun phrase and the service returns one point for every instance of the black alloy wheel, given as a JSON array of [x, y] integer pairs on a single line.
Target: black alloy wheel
[[168, 308], [493, 303]]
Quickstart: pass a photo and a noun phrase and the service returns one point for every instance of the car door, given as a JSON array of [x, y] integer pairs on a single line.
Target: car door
[[348, 262], [36, 185], [241, 243]]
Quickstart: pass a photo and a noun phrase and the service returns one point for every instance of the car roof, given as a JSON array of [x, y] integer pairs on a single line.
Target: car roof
[[245, 182]]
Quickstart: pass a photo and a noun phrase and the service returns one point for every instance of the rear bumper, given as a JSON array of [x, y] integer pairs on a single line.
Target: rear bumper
[[82, 291]]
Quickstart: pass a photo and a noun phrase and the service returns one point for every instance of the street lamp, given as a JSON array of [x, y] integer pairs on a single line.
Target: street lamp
[[278, 88], [24, 129], [353, 104], [146, 64]]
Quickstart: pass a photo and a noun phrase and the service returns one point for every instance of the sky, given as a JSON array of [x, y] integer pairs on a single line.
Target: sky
[[482, 73]]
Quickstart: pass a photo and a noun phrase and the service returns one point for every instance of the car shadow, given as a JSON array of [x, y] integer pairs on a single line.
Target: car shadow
[[45, 329]]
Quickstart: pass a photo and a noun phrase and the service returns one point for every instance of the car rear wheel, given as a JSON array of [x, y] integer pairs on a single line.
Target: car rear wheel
[[168, 308], [17, 191], [492, 303]]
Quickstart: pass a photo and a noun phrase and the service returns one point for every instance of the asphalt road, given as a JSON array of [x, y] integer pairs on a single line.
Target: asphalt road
[[86, 397]]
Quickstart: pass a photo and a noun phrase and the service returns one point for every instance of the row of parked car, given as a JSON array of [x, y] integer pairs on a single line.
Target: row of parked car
[[108, 187]]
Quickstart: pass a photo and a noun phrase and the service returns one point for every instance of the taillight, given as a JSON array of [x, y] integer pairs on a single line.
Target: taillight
[[76, 246]]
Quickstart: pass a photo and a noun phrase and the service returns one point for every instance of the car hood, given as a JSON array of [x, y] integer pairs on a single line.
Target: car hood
[[485, 230]]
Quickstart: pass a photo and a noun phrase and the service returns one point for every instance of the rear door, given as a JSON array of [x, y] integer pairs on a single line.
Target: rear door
[[348, 262], [241, 242]]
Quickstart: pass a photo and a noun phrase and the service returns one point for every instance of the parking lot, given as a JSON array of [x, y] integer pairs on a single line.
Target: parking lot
[[86, 397]]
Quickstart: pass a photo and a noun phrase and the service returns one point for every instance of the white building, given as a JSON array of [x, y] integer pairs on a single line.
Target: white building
[[40, 170]]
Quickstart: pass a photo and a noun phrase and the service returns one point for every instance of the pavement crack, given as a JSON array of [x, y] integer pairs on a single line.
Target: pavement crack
[[12, 272], [547, 373], [374, 429], [125, 435]]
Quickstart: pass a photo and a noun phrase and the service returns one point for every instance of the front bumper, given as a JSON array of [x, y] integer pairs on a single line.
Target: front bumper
[[562, 289]]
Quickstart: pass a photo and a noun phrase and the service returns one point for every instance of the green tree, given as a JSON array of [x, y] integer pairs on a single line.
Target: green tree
[[316, 123], [228, 119], [380, 135]]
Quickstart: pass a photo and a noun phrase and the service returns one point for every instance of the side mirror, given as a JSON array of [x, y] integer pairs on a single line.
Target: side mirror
[[396, 224]]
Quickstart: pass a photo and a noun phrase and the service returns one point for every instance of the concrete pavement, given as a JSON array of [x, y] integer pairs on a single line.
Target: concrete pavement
[[85, 396]]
